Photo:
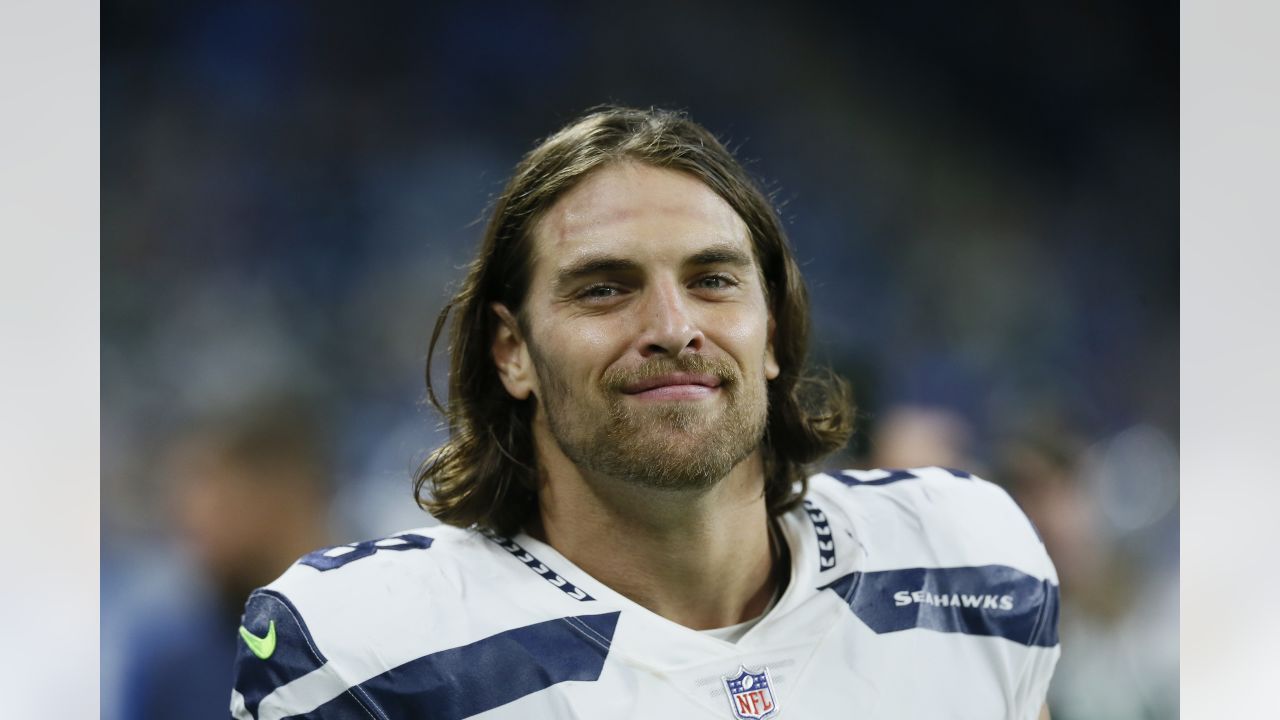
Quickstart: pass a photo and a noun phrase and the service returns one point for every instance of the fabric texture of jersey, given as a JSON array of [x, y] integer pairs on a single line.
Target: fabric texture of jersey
[[918, 593]]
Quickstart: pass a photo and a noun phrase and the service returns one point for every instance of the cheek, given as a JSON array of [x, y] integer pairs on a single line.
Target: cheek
[[592, 338], [747, 339], [579, 351]]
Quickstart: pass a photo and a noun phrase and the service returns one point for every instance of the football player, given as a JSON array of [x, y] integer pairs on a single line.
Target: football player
[[628, 529]]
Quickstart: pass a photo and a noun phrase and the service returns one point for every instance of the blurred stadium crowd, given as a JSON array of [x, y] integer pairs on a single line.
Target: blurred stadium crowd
[[984, 201]]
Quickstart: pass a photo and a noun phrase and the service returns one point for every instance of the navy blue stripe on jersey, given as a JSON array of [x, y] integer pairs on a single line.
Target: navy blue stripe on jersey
[[991, 600], [850, 477], [326, 559], [468, 680], [295, 652], [537, 566], [826, 543]]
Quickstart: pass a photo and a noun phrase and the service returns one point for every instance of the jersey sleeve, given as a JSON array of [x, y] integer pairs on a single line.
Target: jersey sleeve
[[951, 551], [274, 649], [1005, 523], [310, 638], [1035, 681], [944, 516], [1033, 687], [1045, 649]]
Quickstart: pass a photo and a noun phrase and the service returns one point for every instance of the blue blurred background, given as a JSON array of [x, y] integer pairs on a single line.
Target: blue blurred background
[[984, 200]]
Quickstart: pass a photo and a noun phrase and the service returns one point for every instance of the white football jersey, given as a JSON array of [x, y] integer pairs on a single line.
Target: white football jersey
[[918, 593]]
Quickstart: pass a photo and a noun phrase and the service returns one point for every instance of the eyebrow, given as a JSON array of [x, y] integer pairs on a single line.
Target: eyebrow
[[593, 265], [718, 254], [721, 254]]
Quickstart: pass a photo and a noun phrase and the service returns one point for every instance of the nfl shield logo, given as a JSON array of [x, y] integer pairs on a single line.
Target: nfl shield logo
[[751, 694]]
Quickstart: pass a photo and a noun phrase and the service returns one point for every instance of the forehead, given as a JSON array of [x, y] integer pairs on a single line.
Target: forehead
[[636, 211]]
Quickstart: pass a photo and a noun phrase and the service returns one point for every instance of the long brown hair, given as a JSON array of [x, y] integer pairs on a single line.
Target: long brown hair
[[485, 473]]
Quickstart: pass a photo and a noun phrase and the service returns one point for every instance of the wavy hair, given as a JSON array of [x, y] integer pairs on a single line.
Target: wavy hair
[[485, 473]]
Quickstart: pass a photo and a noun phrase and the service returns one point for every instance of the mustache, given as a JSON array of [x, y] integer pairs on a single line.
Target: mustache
[[615, 379]]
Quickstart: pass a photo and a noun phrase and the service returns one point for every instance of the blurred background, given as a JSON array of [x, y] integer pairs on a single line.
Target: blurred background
[[984, 201]]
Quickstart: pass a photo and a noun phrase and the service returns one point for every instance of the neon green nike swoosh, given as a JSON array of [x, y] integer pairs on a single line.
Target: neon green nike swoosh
[[261, 646]]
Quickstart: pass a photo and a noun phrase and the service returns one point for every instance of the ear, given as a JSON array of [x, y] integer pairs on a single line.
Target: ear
[[511, 355], [771, 369]]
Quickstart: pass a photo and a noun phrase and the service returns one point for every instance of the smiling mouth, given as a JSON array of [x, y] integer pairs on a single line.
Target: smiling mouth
[[674, 386]]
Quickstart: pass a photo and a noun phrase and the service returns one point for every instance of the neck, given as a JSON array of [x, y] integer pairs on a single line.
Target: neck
[[702, 558]]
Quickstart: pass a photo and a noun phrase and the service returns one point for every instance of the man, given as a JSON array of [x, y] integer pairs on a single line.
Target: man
[[250, 489], [629, 529]]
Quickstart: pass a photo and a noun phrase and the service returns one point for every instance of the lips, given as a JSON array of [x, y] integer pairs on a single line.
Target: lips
[[672, 380]]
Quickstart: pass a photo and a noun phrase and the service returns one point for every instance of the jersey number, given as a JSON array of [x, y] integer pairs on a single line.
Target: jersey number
[[335, 557]]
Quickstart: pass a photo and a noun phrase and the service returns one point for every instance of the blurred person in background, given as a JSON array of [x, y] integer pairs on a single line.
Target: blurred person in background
[[250, 491], [1119, 619], [918, 435]]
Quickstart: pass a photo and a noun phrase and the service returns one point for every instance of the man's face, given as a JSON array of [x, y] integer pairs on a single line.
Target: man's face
[[646, 329]]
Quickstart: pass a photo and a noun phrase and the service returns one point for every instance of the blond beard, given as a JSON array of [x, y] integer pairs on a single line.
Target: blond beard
[[672, 446]]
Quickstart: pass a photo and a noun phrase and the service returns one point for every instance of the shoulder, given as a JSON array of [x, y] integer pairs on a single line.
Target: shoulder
[[932, 516], [406, 558], [933, 492], [407, 572], [349, 612], [942, 550]]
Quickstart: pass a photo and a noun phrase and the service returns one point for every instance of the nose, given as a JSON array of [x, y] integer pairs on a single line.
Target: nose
[[667, 326]]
